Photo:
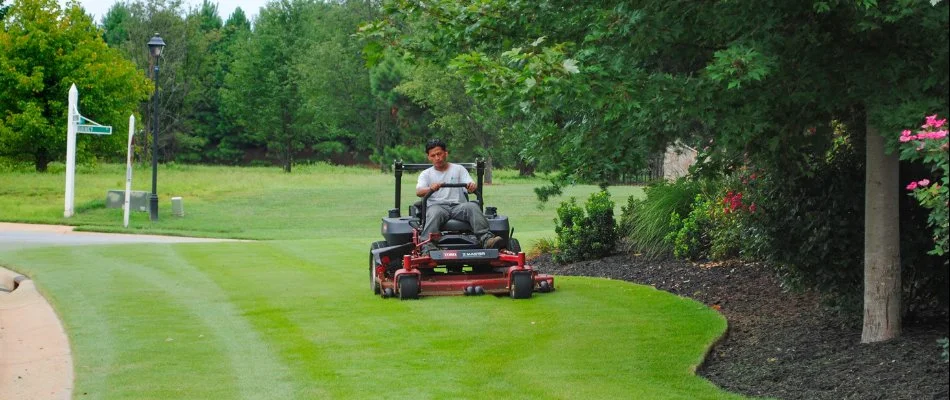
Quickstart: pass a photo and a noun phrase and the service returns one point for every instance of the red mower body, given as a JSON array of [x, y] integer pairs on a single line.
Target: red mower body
[[498, 272]]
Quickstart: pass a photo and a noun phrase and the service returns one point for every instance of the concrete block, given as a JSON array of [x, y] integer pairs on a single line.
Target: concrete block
[[178, 207], [138, 200]]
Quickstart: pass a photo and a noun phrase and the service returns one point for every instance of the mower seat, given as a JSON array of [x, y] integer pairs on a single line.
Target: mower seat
[[456, 226], [452, 225]]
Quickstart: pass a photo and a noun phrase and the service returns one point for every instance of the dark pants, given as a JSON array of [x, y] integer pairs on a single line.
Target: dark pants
[[438, 214]]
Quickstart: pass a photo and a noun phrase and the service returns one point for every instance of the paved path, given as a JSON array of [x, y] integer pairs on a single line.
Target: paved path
[[35, 359], [16, 236]]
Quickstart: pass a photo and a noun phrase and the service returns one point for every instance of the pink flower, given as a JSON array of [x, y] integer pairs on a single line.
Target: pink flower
[[912, 186], [906, 132], [934, 122], [923, 182], [905, 139], [752, 208], [932, 135]]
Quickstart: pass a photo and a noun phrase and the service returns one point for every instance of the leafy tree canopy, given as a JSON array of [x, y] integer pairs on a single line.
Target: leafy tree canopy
[[43, 51], [601, 85]]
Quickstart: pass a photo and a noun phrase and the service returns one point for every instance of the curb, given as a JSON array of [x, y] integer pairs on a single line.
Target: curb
[[36, 360]]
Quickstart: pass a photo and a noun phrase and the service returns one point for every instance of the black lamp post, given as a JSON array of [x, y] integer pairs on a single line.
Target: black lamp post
[[155, 46]]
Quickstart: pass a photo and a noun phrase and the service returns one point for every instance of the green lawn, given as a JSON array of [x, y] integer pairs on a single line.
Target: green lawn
[[263, 203], [295, 319]]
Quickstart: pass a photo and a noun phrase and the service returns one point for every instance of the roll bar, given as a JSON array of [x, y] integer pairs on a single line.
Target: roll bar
[[399, 167]]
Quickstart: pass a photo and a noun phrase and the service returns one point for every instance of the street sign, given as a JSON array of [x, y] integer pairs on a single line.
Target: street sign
[[76, 123], [94, 129]]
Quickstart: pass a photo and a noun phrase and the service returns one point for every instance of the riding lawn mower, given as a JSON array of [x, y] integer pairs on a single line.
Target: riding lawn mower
[[398, 267]]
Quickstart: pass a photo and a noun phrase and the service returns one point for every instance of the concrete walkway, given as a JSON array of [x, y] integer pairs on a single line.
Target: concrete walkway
[[35, 358], [17, 236]]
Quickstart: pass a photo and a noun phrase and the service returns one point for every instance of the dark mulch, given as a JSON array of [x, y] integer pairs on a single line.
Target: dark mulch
[[783, 344]]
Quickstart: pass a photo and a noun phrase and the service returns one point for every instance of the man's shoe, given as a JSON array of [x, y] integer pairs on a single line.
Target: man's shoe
[[494, 242]]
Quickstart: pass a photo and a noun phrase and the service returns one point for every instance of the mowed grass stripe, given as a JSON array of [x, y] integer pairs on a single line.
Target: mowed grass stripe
[[166, 321], [119, 325], [82, 312], [168, 344], [269, 287], [256, 371]]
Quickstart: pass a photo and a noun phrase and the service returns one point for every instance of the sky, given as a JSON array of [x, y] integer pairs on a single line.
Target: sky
[[99, 8]]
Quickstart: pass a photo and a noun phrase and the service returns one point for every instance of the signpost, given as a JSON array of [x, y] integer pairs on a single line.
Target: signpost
[[76, 123], [128, 173]]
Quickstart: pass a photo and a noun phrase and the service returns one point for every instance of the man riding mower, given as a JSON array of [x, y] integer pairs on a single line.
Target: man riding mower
[[451, 246]]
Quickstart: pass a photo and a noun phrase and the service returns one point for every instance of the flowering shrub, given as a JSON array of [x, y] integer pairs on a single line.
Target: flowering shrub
[[930, 146], [716, 226]]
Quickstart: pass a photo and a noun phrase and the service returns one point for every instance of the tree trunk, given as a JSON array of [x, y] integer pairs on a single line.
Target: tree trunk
[[525, 168], [41, 159], [882, 269]]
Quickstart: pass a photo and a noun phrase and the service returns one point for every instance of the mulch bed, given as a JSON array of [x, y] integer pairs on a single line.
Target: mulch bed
[[783, 344]]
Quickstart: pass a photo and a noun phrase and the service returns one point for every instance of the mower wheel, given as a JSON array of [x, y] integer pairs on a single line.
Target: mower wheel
[[514, 246], [372, 266], [544, 287], [521, 286], [408, 287]]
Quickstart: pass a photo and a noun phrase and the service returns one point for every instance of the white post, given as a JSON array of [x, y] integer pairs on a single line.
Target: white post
[[71, 121], [128, 173]]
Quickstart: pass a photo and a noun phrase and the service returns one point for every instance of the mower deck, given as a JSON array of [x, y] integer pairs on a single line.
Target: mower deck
[[495, 272]]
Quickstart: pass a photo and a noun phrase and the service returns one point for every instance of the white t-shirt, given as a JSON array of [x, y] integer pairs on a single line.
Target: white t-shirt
[[453, 174]]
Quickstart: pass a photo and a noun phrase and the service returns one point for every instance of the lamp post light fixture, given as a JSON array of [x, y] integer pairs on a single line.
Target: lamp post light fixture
[[155, 46]]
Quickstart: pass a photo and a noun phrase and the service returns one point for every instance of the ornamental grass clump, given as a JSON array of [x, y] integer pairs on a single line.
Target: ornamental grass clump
[[645, 223]]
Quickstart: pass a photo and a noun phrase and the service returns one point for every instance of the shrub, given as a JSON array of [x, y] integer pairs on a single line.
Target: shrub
[[715, 225], [542, 246], [812, 224], [930, 145], [690, 235], [585, 237], [399, 152], [809, 225], [645, 223]]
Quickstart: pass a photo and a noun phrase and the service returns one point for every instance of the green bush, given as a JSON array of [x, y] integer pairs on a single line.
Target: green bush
[[807, 222], [812, 224], [398, 152], [714, 226], [690, 235], [585, 237], [645, 223]]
